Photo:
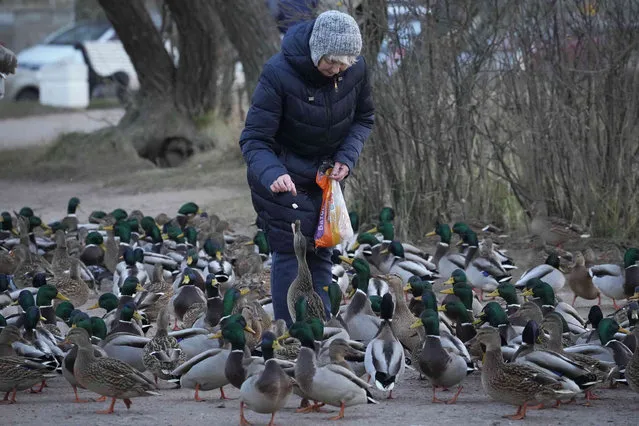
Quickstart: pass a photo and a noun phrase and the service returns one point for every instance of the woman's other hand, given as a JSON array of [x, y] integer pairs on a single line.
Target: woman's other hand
[[284, 183], [340, 171]]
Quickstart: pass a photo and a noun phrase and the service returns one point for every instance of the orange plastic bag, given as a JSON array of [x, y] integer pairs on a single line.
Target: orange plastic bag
[[334, 224]]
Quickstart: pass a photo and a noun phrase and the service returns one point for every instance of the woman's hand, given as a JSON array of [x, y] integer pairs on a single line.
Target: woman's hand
[[340, 171], [284, 183]]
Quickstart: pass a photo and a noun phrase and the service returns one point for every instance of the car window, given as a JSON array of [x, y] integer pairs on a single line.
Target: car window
[[80, 33]]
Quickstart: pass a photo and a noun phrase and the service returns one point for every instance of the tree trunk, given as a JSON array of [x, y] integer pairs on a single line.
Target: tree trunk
[[200, 51], [374, 27], [252, 31], [144, 46], [159, 123]]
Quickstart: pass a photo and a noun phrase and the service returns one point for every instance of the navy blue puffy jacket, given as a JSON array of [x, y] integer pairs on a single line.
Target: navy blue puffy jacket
[[299, 118]]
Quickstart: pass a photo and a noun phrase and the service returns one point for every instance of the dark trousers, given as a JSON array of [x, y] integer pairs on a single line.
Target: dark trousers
[[284, 271]]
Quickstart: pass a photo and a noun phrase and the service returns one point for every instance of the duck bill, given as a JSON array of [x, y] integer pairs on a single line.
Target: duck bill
[[431, 234], [137, 316], [61, 297], [249, 243], [249, 329], [372, 230], [407, 288], [216, 336], [527, 292], [447, 291], [355, 246], [96, 306], [493, 293], [139, 288], [441, 308], [244, 291], [450, 281], [284, 336], [417, 323], [218, 256], [346, 259], [478, 321], [325, 288], [623, 330]]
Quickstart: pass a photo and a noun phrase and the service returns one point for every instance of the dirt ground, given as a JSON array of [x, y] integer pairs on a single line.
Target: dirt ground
[[217, 183]]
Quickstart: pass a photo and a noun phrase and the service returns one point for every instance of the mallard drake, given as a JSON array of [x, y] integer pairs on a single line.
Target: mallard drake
[[163, 354], [94, 249], [446, 262], [595, 315], [441, 357], [338, 273], [394, 260], [107, 376], [72, 285], [44, 301], [126, 322], [543, 294], [38, 337], [580, 281], [131, 266], [266, 388], [494, 316], [462, 318], [70, 221], [607, 349], [302, 285], [109, 302], [384, 358], [330, 384], [606, 372], [574, 376], [549, 272], [187, 300], [463, 290], [335, 296], [515, 384], [360, 320], [483, 270], [507, 292], [18, 373], [214, 305], [239, 360], [617, 282]]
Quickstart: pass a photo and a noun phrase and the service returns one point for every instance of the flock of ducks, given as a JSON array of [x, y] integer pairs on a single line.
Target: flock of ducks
[[204, 290]]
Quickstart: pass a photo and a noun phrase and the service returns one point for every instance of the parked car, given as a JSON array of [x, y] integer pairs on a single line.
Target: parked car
[[24, 85]]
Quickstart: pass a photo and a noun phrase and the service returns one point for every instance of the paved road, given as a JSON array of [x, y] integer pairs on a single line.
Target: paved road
[[42, 129]]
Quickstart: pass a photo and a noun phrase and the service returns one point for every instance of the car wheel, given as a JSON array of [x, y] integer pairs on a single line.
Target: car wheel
[[28, 95]]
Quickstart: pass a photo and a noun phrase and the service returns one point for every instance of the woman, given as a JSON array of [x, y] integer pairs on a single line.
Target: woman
[[312, 105]]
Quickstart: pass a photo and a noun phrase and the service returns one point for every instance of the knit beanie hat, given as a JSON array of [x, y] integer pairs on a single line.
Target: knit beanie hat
[[334, 33]]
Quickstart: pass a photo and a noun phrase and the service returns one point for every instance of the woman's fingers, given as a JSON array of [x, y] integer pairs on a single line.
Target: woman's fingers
[[284, 183]]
